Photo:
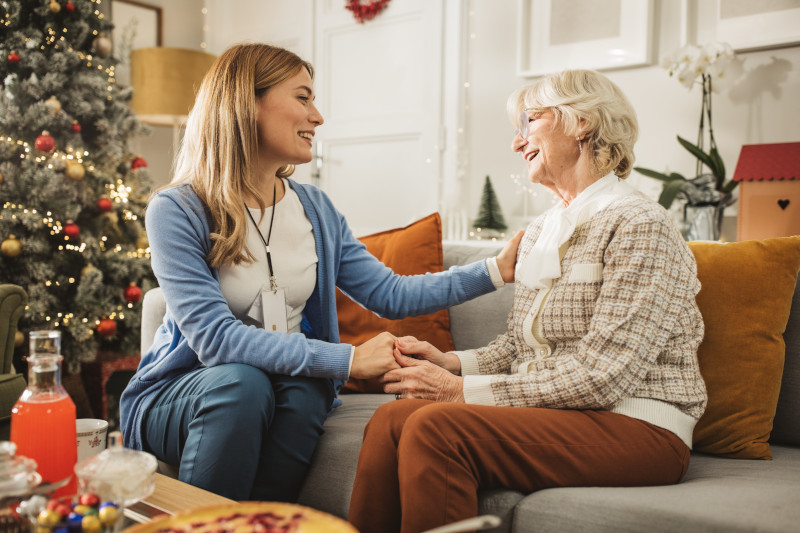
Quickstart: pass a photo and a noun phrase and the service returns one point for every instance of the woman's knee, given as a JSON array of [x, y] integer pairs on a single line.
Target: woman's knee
[[434, 425], [239, 391]]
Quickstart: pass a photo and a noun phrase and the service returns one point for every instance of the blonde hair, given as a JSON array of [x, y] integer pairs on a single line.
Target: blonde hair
[[218, 155], [586, 103]]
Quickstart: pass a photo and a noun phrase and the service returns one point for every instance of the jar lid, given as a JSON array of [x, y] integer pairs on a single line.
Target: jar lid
[[17, 473], [118, 474]]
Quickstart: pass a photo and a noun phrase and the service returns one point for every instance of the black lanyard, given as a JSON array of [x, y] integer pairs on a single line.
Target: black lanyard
[[273, 285]]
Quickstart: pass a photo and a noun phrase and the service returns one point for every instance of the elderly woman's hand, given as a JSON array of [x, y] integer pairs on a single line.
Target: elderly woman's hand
[[409, 345], [423, 380]]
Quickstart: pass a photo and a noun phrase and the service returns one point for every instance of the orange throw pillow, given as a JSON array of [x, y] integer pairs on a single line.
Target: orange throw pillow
[[745, 299], [414, 249]]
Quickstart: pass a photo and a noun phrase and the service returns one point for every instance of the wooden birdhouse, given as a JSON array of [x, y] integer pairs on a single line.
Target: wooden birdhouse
[[769, 190]]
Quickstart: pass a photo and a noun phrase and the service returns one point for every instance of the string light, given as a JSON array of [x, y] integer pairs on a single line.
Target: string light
[[204, 12]]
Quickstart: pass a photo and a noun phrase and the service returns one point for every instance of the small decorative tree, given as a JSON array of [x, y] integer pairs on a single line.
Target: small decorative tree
[[490, 222]]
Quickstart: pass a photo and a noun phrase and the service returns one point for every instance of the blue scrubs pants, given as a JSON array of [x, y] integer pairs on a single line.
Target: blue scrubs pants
[[239, 432]]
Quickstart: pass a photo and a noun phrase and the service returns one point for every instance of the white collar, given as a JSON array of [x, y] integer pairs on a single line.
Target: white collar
[[542, 265]]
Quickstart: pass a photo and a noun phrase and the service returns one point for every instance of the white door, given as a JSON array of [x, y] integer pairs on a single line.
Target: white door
[[379, 87]]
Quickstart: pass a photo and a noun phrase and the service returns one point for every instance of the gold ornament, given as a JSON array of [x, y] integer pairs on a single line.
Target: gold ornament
[[1, 177], [53, 105], [142, 242], [55, 7], [75, 171], [102, 45], [88, 269], [19, 339], [11, 247]]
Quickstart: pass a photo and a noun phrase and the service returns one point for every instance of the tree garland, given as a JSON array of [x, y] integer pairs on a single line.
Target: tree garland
[[368, 11]]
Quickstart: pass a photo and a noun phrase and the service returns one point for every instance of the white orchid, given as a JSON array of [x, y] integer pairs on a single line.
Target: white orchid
[[713, 66], [715, 60]]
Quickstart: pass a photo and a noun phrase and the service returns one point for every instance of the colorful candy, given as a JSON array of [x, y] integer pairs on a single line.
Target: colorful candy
[[87, 514]]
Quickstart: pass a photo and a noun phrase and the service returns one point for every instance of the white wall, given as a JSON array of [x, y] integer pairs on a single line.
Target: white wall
[[763, 108]]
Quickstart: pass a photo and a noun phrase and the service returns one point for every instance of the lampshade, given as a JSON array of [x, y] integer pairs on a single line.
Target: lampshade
[[165, 81]]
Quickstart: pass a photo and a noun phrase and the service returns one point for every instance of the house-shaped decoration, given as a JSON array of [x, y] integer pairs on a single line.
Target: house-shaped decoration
[[769, 190]]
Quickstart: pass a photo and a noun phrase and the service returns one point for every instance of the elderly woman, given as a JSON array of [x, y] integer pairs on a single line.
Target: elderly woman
[[595, 382]]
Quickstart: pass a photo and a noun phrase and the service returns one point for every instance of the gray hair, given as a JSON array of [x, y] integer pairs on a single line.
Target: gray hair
[[588, 104]]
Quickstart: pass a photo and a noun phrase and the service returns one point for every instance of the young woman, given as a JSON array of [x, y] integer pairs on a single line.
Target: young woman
[[247, 363]]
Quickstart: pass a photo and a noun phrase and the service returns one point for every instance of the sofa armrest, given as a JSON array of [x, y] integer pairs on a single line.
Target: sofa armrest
[[153, 310], [13, 300]]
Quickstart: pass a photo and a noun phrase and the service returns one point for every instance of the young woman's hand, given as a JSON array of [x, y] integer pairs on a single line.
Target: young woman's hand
[[375, 357], [423, 380], [507, 258], [425, 350]]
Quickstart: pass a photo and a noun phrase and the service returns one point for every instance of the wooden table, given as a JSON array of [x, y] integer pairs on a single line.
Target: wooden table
[[169, 497]]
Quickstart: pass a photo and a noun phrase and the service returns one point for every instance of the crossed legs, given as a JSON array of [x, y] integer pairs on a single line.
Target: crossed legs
[[422, 463]]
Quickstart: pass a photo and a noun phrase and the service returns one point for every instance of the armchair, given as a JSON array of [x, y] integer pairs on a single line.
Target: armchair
[[12, 303]]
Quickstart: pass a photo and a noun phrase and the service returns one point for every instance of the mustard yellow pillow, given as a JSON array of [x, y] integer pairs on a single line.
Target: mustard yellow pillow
[[414, 249], [745, 299]]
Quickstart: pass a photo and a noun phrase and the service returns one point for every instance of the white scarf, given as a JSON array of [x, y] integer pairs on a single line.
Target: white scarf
[[543, 264]]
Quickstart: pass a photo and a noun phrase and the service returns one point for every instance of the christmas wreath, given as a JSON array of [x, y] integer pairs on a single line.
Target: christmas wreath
[[364, 12]]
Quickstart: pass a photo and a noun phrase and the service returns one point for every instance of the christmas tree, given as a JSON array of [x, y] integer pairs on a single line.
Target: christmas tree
[[489, 216], [72, 194]]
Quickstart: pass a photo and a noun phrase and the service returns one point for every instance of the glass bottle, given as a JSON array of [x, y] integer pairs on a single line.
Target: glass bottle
[[43, 419]]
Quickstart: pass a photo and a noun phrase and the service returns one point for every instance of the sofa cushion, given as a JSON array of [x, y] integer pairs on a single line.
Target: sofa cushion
[[476, 323], [717, 494], [745, 299], [786, 427], [333, 469], [414, 249]]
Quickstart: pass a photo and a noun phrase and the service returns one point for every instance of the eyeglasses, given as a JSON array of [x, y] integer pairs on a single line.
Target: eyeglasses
[[523, 123]]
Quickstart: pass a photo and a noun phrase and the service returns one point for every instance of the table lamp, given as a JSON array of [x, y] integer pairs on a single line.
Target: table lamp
[[164, 82]]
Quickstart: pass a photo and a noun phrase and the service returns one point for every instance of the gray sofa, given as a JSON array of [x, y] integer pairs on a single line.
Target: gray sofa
[[717, 494]]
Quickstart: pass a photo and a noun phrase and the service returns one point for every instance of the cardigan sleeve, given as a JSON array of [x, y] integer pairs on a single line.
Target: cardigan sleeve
[[649, 280]]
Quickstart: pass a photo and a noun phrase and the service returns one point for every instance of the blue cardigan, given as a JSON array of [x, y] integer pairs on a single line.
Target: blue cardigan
[[199, 328]]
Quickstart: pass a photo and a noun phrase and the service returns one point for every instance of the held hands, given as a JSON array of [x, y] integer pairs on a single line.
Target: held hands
[[427, 379], [507, 258], [375, 357]]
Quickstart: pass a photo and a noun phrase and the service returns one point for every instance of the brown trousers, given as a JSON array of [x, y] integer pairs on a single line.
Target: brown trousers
[[422, 463]]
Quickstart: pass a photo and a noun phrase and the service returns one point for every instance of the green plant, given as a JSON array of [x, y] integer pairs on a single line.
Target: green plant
[[674, 182], [691, 65]]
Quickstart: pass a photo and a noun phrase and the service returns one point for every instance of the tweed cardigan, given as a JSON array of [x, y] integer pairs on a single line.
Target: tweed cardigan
[[620, 323]]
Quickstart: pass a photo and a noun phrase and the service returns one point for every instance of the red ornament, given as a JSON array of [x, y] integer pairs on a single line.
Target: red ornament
[[92, 500], [107, 327], [368, 11], [13, 58], [75, 127], [69, 6], [45, 143], [104, 205], [138, 162], [133, 293], [72, 230]]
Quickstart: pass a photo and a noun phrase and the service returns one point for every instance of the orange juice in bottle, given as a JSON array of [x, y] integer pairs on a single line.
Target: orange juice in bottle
[[43, 419]]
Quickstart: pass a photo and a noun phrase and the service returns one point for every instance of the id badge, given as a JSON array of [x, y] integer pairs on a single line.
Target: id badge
[[273, 304]]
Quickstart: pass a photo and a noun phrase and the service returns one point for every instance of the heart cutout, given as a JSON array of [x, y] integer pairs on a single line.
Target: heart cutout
[[783, 203]]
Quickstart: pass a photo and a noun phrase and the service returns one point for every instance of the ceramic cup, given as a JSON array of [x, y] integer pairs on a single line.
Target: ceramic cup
[[91, 437]]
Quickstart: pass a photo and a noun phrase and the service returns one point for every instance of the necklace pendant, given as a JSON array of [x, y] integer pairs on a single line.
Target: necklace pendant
[[273, 284]]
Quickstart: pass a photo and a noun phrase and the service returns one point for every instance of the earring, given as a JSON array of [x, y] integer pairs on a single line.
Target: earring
[[580, 145]]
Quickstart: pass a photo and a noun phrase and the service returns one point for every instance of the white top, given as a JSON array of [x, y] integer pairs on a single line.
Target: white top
[[294, 260]]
